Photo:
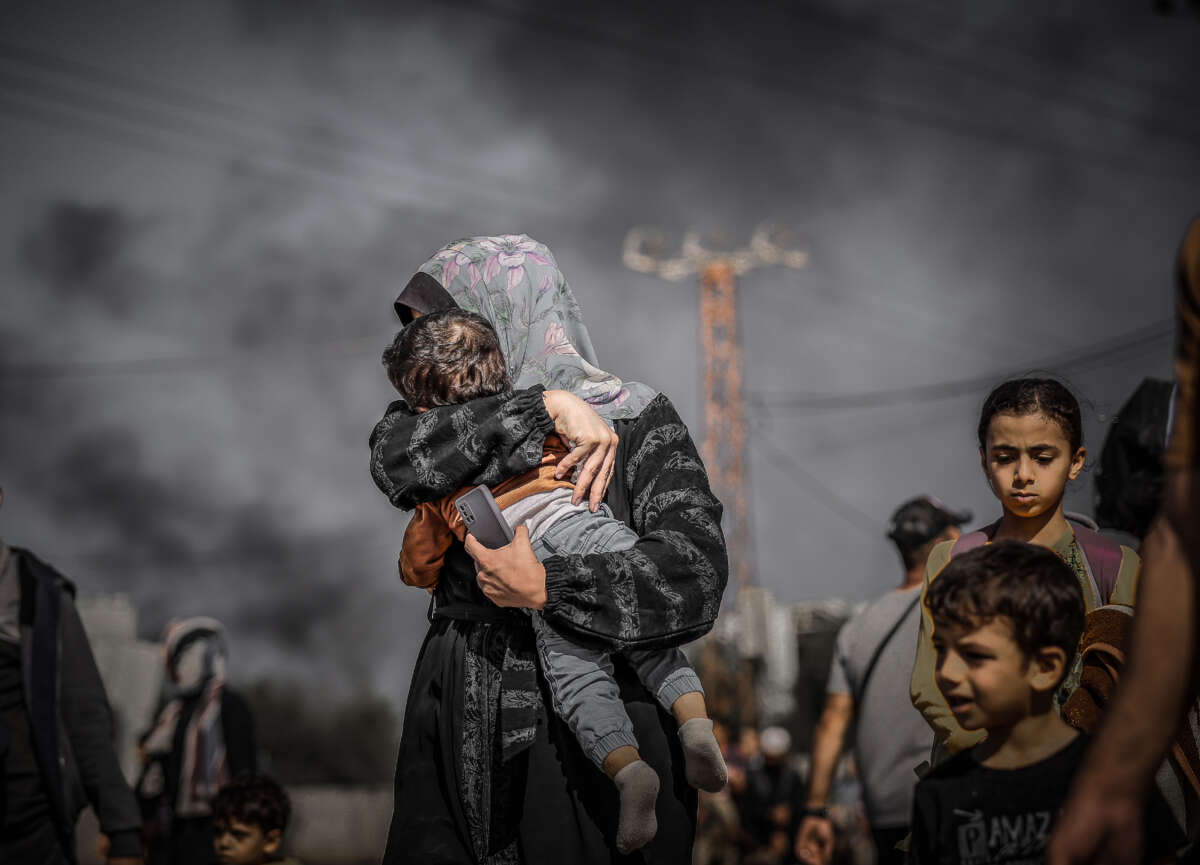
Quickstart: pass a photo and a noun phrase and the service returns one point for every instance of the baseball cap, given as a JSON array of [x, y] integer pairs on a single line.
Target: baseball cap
[[920, 520]]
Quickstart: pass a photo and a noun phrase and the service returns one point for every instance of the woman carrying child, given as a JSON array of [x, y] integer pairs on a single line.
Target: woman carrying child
[[487, 772], [1030, 446]]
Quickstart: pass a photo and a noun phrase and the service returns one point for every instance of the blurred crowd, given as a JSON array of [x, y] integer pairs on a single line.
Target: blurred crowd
[[755, 820]]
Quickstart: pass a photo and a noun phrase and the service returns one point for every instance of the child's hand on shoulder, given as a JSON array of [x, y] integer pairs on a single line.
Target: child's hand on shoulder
[[593, 445]]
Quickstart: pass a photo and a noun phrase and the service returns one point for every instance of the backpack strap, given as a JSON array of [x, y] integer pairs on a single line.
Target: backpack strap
[[969, 541], [1102, 556]]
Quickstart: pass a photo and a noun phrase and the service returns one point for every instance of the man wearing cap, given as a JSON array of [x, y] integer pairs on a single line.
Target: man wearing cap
[[868, 679], [56, 732]]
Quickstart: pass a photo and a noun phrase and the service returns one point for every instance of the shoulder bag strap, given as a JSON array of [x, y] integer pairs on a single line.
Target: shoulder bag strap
[[883, 644]]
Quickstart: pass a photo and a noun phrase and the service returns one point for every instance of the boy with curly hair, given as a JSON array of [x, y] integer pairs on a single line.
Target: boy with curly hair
[[1007, 620], [250, 815]]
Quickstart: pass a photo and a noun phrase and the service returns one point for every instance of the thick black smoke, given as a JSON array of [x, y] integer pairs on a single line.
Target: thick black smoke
[[77, 249], [189, 362]]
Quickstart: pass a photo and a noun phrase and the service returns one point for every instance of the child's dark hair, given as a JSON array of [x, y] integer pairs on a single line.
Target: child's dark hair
[[1022, 396], [256, 800], [446, 357], [1027, 584]]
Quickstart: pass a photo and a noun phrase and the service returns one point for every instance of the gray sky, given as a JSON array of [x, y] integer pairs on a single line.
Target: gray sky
[[209, 206]]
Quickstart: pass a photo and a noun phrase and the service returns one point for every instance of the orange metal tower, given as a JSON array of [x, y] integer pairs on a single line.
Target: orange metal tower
[[725, 437]]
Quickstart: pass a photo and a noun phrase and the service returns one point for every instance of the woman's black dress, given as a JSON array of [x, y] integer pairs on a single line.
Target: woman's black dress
[[486, 772]]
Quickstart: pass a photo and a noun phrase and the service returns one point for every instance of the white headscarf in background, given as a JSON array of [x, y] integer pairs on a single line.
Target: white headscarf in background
[[195, 656]]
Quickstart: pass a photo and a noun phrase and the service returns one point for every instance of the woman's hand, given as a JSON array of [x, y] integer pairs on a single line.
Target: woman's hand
[[510, 576], [593, 443]]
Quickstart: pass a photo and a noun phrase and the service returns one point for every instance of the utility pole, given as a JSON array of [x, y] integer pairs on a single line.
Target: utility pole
[[724, 424]]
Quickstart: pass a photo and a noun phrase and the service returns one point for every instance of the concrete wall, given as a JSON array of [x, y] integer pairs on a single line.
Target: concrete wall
[[132, 670], [338, 825]]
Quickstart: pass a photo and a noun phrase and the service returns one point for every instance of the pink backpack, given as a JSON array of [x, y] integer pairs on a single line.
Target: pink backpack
[[1101, 555]]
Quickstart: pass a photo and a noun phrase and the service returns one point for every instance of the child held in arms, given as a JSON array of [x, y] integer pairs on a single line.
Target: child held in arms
[[454, 356], [250, 815], [1007, 619]]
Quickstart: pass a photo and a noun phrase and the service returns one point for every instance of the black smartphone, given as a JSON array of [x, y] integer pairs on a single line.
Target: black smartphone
[[483, 518]]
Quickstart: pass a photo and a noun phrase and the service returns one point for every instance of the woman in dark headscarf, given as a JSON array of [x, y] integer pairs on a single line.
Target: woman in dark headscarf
[[487, 773]]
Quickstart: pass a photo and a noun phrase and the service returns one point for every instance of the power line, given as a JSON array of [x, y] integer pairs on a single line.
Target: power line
[[918, 50], [187, 117], [20, 109], [1183, 100], [227, 112], [240, 117], [37, 372], [364, 541], [816, 489], [847, 101], [1079, 360], [156, 89], [180, 146]]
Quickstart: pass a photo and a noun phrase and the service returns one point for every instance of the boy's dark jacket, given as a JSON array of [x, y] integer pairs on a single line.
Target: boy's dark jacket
[[70, 718]]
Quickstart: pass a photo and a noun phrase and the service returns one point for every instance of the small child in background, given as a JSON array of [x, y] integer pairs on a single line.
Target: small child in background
[[250, 815], [453, 356], [1007, 618]]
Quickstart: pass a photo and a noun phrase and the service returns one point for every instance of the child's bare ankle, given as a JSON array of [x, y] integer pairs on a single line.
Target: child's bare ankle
[[620, 757]]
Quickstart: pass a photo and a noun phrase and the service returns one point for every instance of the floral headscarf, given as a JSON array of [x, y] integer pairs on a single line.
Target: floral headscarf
[[514, 282]]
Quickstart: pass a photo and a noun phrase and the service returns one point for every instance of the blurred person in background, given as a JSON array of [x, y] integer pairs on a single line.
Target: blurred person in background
[[1155, 705], [202, 738], [56, 728], [741, 756], [719, 836], [1131, 473], [868, 683], [773, 800], [718, 830]]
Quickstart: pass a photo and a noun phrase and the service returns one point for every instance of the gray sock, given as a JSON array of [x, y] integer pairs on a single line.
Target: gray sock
[[705, 765], [638, 785]]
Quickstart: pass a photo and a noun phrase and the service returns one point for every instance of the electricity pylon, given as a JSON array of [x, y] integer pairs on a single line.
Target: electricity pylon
[[724, 424]]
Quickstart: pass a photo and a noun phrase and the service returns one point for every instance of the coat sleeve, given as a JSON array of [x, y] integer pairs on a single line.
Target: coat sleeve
[[923, 688], [666, 589], [88, 720], [423, 457]]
